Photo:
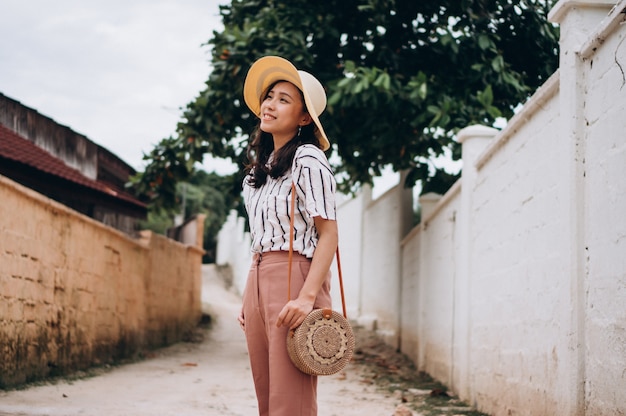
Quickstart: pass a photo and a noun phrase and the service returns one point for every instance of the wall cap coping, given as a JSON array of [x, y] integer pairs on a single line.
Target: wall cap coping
[[563, 7], [430, 197], [475, 131], [615, 18]]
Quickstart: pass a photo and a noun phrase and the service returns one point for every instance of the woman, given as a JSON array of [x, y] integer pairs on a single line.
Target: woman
[[288, 147]]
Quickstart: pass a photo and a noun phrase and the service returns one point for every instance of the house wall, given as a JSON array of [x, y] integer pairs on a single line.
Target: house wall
[[512, 289], [75, 293]]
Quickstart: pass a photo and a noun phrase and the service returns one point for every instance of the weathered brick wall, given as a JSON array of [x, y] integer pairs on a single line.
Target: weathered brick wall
[[172, 294], [75, 293]]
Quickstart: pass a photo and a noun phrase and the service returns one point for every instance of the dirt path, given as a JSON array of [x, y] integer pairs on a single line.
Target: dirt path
[[208, 377]]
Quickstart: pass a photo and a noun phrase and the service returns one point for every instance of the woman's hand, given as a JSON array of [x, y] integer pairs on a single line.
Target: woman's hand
[[242, 321], [294, 312]]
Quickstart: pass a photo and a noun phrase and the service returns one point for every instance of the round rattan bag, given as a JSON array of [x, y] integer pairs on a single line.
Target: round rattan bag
[[323, 344]]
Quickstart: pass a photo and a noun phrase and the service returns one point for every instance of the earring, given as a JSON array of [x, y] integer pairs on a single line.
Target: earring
[[299, 130]]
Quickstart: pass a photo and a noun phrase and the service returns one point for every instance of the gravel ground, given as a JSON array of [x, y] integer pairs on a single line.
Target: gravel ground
[[210, 375]]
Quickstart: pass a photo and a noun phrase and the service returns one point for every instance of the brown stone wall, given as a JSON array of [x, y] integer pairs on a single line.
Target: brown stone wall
[[75, 293]]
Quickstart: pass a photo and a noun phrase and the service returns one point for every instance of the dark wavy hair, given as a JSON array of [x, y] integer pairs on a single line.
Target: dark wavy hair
[[261, 147]]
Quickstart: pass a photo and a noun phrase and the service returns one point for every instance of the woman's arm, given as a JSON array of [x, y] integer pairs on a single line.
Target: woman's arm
[[294, 312]]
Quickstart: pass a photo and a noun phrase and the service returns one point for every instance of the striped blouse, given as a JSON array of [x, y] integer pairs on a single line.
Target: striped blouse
[[268, 206]]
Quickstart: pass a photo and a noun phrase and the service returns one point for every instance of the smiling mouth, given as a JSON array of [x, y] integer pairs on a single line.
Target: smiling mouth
[[268, 117]]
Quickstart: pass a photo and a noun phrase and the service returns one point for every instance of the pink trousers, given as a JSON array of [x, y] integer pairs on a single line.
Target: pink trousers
[[281, 389]]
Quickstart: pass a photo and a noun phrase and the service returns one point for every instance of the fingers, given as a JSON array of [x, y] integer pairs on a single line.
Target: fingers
[[242, 321], [292, 315], [282, 317], [297, 323]]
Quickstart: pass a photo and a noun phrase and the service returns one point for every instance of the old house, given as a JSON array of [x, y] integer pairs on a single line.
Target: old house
[[66, 166]]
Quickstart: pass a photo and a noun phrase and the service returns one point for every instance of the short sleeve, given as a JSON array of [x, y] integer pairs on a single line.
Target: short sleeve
[[315, 182]]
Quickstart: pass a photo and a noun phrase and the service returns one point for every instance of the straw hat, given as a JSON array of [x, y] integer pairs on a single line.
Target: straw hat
[[270, 69]]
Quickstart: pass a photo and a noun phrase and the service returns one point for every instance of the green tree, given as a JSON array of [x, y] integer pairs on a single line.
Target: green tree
[[403, 76], [203, 193], [212, 195]]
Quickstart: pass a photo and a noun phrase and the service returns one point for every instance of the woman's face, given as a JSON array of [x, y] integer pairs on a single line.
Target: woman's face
[[282, 111]]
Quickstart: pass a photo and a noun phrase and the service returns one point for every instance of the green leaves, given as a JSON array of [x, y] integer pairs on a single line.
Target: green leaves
[[402, 76], [484, 42], [485, 98]]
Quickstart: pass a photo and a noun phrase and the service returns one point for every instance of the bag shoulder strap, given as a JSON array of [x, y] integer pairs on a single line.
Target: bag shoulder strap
[[291, 231]]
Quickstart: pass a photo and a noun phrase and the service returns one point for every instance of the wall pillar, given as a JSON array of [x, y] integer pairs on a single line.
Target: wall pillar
[[428, 202], [577, 20], [474, 140]]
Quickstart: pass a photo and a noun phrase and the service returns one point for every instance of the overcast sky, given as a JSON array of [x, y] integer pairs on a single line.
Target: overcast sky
[[116, 71]]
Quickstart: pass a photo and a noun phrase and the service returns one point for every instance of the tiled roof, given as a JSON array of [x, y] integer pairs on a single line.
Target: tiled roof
[[21, 150]]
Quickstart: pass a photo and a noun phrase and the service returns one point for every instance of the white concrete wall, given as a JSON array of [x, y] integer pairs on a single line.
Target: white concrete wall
[[385, 223], [349, 219], [429, 255], [519, 269], [512, 290], [412, 299], [233, 249]]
